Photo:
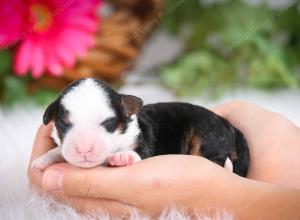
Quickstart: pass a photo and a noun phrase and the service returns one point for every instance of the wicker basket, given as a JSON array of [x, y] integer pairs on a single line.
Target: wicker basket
[[119, 40]]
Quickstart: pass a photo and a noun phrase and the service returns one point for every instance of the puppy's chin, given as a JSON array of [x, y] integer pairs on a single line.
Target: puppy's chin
[[77, 162], [87, 164]]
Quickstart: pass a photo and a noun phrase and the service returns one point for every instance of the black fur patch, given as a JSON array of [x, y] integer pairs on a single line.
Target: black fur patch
[[166, 129], [62, 123], [110, 124]]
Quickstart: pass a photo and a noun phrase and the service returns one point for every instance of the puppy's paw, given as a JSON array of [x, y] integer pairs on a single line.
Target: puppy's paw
[[43, 162], [51, 157], [123, 158]]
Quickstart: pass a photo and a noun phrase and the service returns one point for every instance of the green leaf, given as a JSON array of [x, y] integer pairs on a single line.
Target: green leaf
[[45, 96], [235, 44], [194, 73], [14, 90], [179, 12], [5, 63]]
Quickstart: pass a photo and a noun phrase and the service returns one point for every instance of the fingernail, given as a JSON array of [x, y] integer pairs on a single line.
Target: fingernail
[[53, 180]]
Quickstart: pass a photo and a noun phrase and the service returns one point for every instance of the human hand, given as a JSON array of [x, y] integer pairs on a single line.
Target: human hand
[[273, 140]]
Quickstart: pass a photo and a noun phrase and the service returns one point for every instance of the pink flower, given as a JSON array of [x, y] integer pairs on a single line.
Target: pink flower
[[57, 32]]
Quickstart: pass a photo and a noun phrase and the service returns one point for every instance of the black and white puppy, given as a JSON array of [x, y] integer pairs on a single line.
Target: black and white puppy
[[96, 125]]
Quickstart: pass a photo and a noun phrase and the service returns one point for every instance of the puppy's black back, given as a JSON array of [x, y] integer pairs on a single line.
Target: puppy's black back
[[181, 128]]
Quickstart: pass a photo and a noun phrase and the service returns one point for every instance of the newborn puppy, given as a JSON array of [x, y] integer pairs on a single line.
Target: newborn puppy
[[95, 125]]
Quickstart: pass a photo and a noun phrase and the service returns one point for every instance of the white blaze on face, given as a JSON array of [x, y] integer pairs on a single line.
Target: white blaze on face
[[88, 106], [87, 143]]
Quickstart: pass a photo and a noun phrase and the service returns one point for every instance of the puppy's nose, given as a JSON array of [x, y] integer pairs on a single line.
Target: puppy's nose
[[84, 151]]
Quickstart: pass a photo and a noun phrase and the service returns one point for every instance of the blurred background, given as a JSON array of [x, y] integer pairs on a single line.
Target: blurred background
[[202, 51]]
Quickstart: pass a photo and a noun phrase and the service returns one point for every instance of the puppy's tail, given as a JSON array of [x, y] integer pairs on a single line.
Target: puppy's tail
[[241, 159]]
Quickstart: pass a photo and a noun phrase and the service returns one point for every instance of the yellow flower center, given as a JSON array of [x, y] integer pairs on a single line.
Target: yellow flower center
[[42, 17]]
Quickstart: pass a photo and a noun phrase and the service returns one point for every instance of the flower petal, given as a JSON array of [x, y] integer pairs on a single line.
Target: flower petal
[[11, 21], [22, 57], [53, 65], [78, 41], [84, 22], [64, 53], [38, 60], [78, 7]]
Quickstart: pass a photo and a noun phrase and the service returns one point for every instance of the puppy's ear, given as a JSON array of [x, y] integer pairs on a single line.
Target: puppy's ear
[[131, 104], [50, 112]]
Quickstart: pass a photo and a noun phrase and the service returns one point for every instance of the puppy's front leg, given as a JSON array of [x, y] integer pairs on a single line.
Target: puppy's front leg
[[51, 157], [123, 158]]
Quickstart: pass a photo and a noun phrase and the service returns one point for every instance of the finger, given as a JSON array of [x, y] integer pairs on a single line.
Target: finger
[[94, 206], [42, 144], [228, 108], [35, 177], [98, 182], [91, 206], [219, 110], [43, 141]]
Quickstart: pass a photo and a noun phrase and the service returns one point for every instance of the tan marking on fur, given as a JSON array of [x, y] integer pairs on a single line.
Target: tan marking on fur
[[120, 126], [134, 146], [233, 155], [193, 143], [66, 119]]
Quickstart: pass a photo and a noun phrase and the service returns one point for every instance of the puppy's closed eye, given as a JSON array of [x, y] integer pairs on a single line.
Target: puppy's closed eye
[[110, 124], [66, 120], [62, 122]]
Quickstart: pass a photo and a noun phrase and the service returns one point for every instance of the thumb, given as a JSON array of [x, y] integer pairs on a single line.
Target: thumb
[[98, 182]]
